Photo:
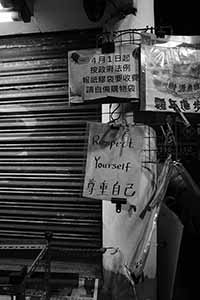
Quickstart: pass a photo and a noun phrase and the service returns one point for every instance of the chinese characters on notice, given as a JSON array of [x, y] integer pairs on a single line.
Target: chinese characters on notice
[[111, 74]]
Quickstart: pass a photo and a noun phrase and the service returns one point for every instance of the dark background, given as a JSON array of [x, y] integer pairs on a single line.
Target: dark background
[[183, 18]]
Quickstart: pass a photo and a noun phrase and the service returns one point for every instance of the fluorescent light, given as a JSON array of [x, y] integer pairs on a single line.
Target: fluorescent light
[[9, 11], [6, 16]]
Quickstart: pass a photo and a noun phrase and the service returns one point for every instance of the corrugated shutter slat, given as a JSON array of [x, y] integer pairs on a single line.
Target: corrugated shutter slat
[[42, 145]]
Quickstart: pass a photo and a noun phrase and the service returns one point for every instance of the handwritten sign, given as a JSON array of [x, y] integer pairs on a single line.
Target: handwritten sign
[[172, 77], [93, 75], [113, 161]]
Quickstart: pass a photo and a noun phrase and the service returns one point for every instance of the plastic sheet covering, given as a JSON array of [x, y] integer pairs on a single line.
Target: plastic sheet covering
[[187, 178], [183, 197], [171, 77], [130, 234]]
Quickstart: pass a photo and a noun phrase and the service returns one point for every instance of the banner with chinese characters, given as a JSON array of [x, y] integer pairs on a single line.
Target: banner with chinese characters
[[93, 75], [113, 164], [170, 77]]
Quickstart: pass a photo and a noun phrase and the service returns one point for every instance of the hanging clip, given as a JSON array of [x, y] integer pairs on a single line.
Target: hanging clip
[[119, 202], [181, 114], [169, 135], [116, 110], [163, 131]]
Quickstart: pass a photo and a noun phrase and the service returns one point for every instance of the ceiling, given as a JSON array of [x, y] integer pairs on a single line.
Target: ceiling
[[61, 15], [50, 15]]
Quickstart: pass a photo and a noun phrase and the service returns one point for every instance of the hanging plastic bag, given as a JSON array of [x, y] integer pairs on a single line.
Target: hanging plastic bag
[[134, 237]]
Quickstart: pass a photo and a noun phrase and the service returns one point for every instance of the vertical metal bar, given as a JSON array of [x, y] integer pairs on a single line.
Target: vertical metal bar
[[47, 274]]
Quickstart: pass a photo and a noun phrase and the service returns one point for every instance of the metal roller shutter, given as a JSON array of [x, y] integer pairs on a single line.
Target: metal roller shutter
[[42, 142]]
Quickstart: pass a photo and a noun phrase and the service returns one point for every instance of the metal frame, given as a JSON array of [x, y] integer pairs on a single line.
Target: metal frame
[[19, 289]]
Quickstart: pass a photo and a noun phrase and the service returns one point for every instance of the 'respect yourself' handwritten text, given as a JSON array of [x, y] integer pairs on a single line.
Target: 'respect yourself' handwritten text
[[126, 143], [101, 165]]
